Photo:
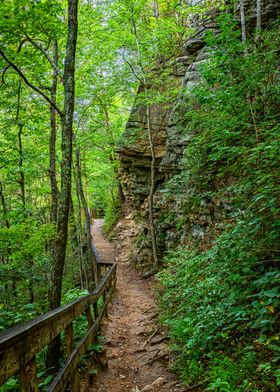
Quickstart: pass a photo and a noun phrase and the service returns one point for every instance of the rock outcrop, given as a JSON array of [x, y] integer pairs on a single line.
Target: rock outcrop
[[175, 223]]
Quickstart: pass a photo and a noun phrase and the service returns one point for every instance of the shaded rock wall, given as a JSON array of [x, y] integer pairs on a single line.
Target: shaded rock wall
[[176, 222], [134, 151]]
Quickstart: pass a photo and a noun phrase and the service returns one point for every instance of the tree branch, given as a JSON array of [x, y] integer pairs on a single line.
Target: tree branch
[[21, 45], [45, 53], [133, 71], [8, 66], [3, 75], [26, 81]]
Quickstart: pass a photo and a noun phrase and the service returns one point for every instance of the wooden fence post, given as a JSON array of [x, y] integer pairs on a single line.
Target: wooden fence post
[[28, 377], [95, 310], [89, 317], [98, 272], [104, 301], [69, 341]]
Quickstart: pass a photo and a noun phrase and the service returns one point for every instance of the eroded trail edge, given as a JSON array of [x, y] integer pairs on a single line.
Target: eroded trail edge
[[135, 358]]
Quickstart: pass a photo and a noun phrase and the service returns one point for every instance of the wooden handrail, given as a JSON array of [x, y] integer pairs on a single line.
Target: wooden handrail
[[20, 344]]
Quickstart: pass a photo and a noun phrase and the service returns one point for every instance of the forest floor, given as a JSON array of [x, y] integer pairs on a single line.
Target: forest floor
[[135, 356]]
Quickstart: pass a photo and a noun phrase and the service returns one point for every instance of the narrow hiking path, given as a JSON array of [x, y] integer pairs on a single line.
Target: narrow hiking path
[[135, 358]]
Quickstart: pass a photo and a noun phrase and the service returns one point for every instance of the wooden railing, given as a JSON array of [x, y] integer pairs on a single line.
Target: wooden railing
[[20, 344]]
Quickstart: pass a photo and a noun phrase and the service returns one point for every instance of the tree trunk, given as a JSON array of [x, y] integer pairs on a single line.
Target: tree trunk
[[4, 208], [9, 248], [153, 158], [243, 21], [52, 153], [152, 190], [112, 156], [58, 256], [52, 165], [259, 19], [72, 226], [21, 182], [82, 263], [83, 272], [21, 179], [66, 148], [259, 15], [92, 262], [156, 9]]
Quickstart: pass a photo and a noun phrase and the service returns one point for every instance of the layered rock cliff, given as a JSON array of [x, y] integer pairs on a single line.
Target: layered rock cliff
[[177, 220]]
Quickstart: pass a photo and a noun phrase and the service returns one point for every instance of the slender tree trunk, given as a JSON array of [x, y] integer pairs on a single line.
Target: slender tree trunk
[[243, 21], [21, 182], [75, 237], [4, 207], [52, 164], [92, 262], [83, 271], [112, 156], [21, 179], [259, 20], [153, 158], [72, 227], [58, 256], [259, 16], [82, 263], [156, 9], [52, 153], [152, 190], [66, 148], [9, 248]]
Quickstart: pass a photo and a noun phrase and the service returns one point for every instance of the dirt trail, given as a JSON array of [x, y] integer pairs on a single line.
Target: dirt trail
[[135, 358]]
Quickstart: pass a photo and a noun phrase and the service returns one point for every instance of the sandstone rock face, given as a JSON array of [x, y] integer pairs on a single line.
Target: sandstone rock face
[[134, 152], [175, 223]]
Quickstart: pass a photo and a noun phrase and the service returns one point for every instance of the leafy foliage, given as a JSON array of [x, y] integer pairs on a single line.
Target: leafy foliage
[[222, 303]]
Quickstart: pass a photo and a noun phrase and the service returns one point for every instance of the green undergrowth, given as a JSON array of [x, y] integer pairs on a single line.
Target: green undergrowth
[[219, 295], [112, 213], [222, 310]]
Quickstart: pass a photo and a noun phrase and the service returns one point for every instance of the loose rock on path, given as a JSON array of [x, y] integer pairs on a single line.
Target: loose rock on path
[[135, 358]]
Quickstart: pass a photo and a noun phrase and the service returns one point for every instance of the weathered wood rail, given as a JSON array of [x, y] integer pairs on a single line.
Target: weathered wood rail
[[20, 344]]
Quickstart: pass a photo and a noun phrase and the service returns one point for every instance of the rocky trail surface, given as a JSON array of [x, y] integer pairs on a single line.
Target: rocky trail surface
[[135, 357]]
